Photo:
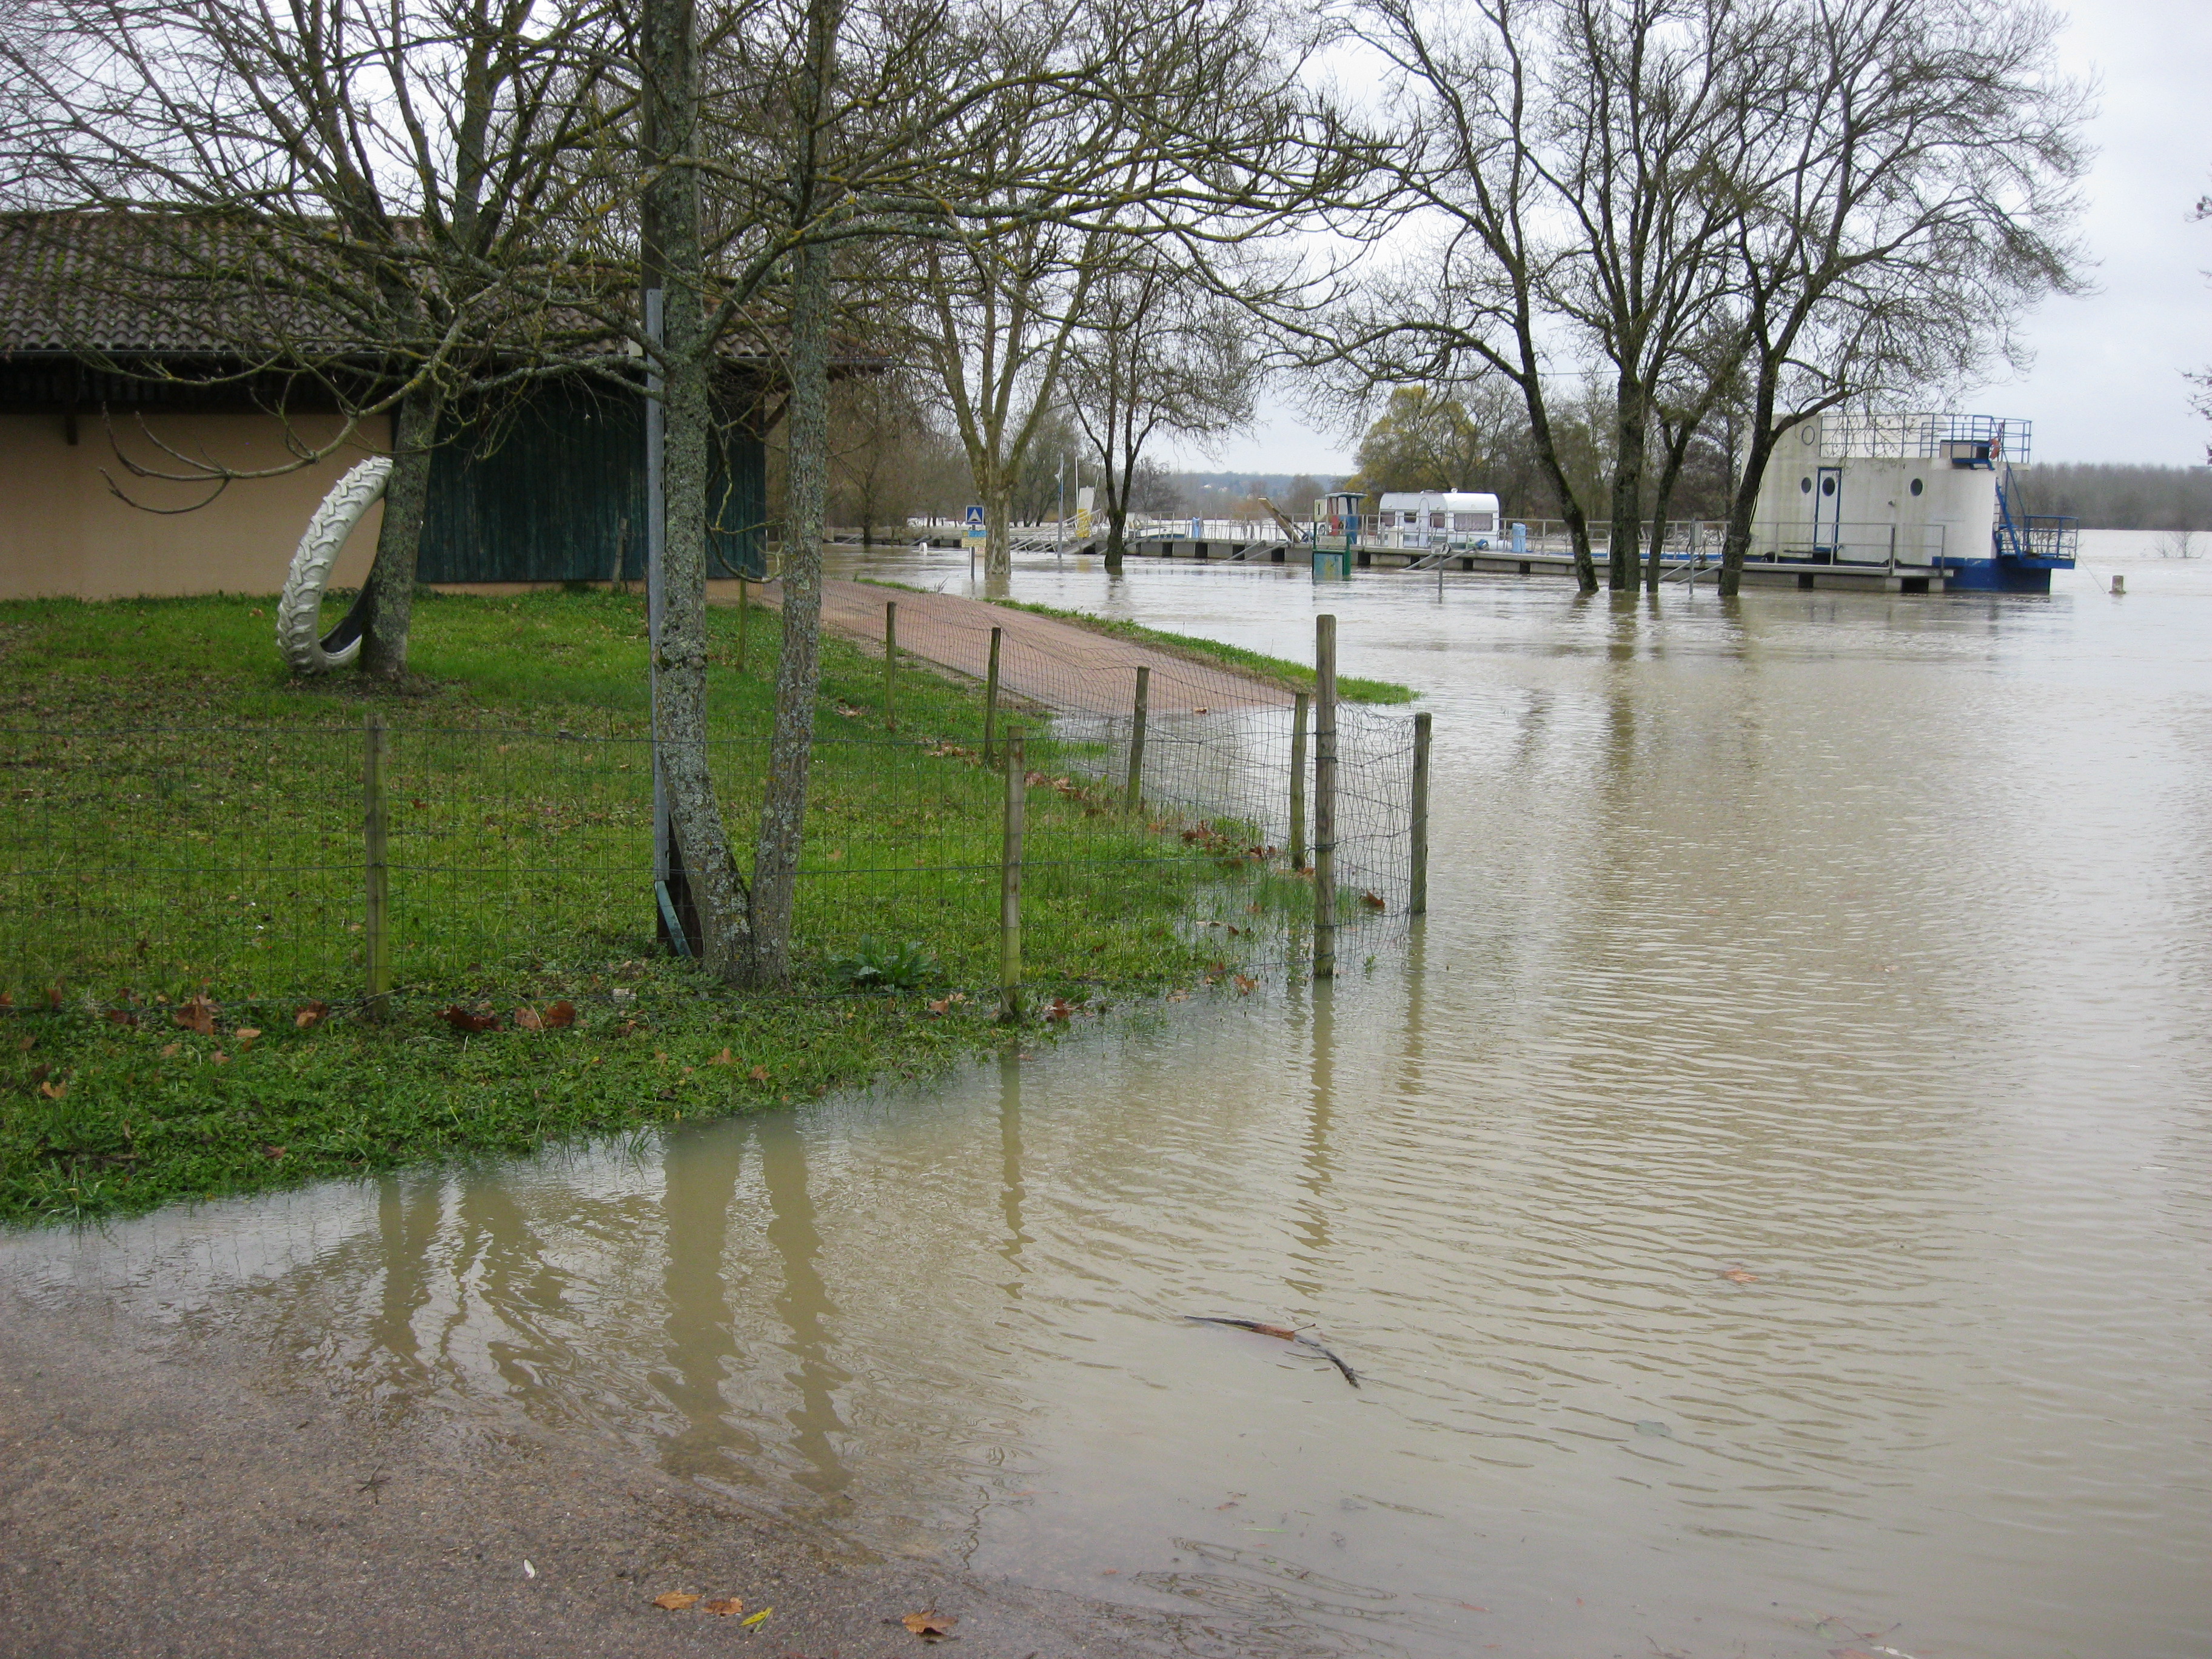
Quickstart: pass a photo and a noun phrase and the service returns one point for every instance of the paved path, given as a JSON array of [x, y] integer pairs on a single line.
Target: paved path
[[1042, 659]]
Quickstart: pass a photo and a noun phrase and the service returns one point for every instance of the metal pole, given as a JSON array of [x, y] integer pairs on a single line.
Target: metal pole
[[376, 934], [1010, 887], [656, 545], [1137, 739], [890, 660], [1324, 849], [1298, 782], [991, 699], [1417, 902]]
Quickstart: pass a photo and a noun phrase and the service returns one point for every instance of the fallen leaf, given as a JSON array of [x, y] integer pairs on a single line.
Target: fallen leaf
[[1058, 1009], [1737, 1276], [314, 1014], [245, 1034], [1245, 984], [725, 1058], [528, 1018], [169, 1050], [940, 1005], [219, 1058], [121, 1017], [54, 994], [27, 1043], [724, 1607], [930, 1624], [674, 1601], [197, 1015], [1373, 900], [761, 1614], [628, 1028], [562, 1015], [529, 1571], [759, 1074], [462, 1020], [53, 1090], [272, 1153]]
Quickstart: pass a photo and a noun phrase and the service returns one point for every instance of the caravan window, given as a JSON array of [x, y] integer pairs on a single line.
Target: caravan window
[[1435, 521]]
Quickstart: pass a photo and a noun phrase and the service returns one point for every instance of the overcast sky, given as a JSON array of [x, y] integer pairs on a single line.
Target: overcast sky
[[2106, 382]]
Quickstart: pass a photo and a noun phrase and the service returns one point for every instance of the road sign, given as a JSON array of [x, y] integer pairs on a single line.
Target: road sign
[[976, 531]]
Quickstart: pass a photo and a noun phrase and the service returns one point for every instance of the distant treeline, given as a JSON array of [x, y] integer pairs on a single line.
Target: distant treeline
[[2109, 496]]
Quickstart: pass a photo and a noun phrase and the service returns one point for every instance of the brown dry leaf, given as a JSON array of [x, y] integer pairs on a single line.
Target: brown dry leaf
[[462, 1020], [54, 994], [628, 1028], [931, 1623], [723, 1607], [197, 1015], [219, 1058], [725, 1058], [7, 999], [1373, 900], [272, 1153], [1245, 984], [940, 1005], [313, 1013], [1058, 1009], [560, 1016], [245, 1034], [759, 1074], [674, 1601], [528, 1018], [169, 1050], [53, 1090], [121, 1017], [1737, 1276]]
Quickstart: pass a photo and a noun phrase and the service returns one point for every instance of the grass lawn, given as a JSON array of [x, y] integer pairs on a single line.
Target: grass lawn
[[181, 826]]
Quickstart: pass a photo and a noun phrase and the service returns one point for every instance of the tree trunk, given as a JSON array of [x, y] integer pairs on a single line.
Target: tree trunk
[[1117, 516], [999, 528], [1677, 451], [1627, 485], [391, 582], [799, 666], [1745, 502], [674, 260]]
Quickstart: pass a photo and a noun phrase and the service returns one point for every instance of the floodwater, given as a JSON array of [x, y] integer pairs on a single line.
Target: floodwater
[[1767, 1203]]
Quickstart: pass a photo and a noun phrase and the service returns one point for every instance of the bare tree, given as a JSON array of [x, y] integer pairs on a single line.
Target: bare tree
[[1919, 201], [1157, 353]]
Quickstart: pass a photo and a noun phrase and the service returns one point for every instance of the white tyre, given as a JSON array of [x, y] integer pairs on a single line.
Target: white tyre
[[299, 613]]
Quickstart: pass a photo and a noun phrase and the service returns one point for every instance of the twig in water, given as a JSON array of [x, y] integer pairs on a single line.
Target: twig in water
[[1285, 1333]]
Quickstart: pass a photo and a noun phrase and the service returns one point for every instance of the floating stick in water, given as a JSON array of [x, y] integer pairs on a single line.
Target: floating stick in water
[[1284, 1333]]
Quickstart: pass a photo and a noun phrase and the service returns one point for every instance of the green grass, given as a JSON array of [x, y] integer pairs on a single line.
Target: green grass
[[1279, 670], [180, 817]]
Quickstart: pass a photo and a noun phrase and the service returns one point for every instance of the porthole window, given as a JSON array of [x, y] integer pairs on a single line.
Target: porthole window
[[1918, 486], [1827, 486], [1805, 486]]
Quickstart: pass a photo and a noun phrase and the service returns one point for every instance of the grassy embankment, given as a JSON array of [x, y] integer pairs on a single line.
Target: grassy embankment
[[1294, 677], [213, 851]]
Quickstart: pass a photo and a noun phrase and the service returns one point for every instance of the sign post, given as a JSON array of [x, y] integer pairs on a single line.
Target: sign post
[[975, 535]]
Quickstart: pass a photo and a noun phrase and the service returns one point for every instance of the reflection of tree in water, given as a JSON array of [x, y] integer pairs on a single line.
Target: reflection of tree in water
[[804, 1305], [406, 1227], [699, 1186]]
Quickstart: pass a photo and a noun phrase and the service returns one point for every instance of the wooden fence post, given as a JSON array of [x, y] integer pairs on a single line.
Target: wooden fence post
[[991, 701], [1324, 825], [890, 661], [1298, 782], [1137, 739], [744, 612], [1417, 902], [1010, 886], [376, 935]]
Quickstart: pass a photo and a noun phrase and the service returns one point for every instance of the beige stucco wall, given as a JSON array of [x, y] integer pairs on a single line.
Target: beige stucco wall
[[64, 533]]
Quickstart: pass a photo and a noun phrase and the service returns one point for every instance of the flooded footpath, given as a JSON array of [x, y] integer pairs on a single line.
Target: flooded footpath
[[1766, 1204]]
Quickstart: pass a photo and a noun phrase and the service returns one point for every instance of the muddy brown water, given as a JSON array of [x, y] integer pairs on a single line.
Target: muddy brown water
[[1854, 947]]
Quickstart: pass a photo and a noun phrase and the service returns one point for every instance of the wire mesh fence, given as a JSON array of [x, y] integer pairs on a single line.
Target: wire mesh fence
[[153, 862]]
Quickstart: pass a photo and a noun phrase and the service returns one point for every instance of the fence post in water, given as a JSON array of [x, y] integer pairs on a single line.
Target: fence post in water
[[890, 661], [1137, 739], [991, 700], [745, 610], [1324, 825], [376, 936], [1298, 782], [1417, 902], [1010, 887]]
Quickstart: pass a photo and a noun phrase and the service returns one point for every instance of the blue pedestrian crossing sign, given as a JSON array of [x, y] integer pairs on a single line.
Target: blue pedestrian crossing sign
[[975, 532]]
